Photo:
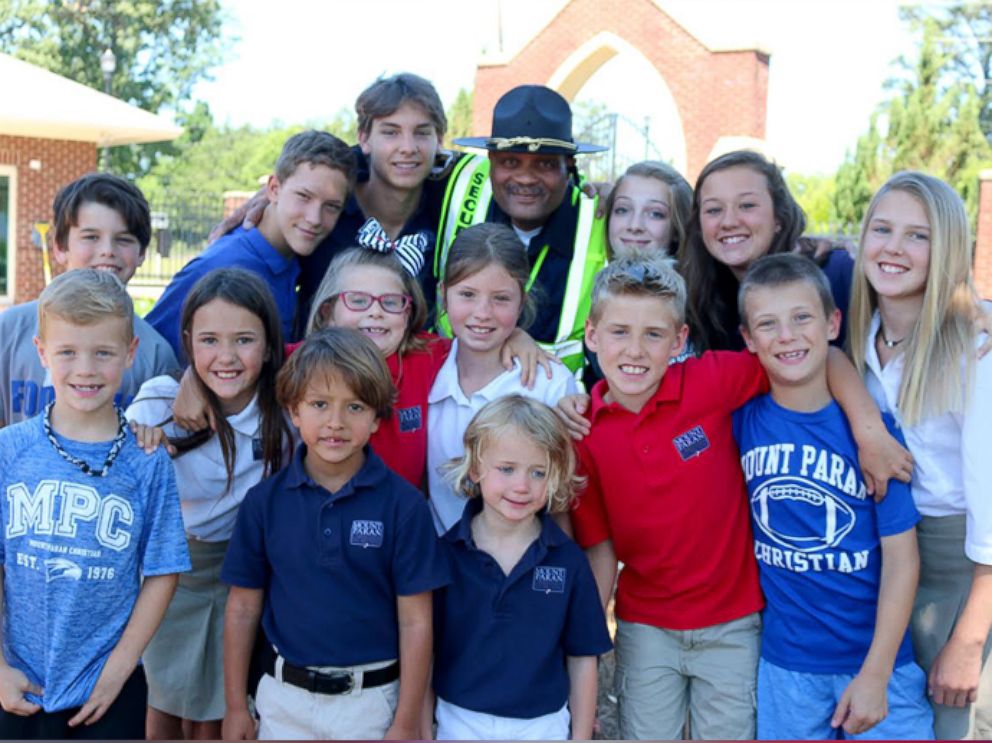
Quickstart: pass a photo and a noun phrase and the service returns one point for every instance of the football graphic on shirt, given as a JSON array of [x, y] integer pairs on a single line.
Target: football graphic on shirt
[[798, 514]]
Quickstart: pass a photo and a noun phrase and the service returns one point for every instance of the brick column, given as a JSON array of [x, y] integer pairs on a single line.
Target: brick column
[[983, 237]]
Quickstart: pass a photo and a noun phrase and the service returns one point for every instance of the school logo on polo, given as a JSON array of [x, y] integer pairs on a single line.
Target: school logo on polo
[[548, 579], [410, 419], [367, 533], [692, 443]]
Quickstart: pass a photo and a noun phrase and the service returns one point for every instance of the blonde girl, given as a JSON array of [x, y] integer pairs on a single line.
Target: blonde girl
[[518, 629], [485, 291], [912, 334], [373, 293]]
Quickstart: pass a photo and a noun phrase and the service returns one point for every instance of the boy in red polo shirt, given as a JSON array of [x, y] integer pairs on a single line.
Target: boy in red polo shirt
[[666, 496]]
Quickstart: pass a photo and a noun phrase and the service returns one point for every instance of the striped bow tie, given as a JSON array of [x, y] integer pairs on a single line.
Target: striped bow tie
[[409, 249]]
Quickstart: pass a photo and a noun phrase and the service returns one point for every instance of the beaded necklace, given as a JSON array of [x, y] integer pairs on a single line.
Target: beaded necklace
[[115, 446]]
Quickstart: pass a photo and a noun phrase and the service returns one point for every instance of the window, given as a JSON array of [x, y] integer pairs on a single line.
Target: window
[[7, 231]]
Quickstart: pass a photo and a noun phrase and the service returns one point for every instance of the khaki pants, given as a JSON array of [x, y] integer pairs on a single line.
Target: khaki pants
[[711, 673], [287, 712]]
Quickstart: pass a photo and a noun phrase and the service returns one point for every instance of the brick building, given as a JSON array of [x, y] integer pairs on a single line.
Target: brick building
[[717, 77], [50, 132]]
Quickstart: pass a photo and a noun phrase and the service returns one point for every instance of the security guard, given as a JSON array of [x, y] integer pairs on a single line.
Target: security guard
[[525, 182]]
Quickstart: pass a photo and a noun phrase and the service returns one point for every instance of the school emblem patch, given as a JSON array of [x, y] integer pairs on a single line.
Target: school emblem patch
[[692, 443], [410, 419], [367, 533], [549, 579]]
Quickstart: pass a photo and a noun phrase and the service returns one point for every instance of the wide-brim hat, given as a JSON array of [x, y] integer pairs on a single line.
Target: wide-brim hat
[[531, 118]]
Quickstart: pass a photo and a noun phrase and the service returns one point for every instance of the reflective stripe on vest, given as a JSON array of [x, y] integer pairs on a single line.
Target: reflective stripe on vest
[[469, 191], [467, 203]]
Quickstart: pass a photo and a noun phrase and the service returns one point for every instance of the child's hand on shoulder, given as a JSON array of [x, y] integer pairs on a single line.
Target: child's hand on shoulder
[[239, 725], [864, 704], [151, 438], [190, 409], [522, 347], [571, 409], [881, 458], [13, 686]]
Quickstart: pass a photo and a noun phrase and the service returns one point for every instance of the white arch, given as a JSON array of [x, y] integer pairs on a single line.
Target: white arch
[[576, 70]]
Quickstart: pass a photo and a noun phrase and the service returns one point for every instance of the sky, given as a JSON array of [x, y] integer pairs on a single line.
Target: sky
[[300, 60]]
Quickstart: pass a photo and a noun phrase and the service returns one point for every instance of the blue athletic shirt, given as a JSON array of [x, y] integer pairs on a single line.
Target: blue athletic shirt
[[74, 551], [816, 535]]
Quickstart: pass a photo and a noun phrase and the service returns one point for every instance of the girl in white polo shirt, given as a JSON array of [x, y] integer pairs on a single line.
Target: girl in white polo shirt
[[485, 293], [231, 333], [913, 335]]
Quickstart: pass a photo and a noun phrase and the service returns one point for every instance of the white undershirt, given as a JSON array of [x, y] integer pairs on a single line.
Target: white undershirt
[[525, 235]]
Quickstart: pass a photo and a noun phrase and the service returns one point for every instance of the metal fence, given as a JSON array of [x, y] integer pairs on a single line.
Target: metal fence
[[610, 129], [180, 225]]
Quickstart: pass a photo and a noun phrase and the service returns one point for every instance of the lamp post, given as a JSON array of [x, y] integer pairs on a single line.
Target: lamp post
[[108, 63]]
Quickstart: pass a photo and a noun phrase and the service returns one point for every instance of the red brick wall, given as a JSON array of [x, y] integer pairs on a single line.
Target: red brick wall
[[61, 162], [983, 241], [718, 94]]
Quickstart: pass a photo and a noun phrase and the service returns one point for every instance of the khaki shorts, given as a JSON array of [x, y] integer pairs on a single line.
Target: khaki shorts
[[287, 712], [709, 674]]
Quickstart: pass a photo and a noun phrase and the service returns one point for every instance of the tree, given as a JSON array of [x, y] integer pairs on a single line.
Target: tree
[[209, 160], [929, 124], [815, 195], [459, 117], [163, 48], [964, 33]]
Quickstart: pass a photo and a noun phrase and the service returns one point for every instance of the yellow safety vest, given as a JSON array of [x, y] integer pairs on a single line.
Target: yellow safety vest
[[466, 203]]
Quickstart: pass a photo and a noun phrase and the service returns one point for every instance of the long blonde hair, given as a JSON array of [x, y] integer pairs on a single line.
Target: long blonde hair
[[944, 333]]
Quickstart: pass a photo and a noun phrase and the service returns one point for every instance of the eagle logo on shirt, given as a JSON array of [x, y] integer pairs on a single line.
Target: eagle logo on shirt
[[60, 567]]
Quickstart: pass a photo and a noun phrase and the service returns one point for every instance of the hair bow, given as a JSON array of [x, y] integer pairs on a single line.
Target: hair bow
[[409, 249]]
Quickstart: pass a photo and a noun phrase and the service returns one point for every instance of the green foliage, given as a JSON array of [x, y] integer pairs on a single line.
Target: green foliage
[[163, 48], [210, 160], [815, 194], [931, 123], [459, 117], [964, 33]]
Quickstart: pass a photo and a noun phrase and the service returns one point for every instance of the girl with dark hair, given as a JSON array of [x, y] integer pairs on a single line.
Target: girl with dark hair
[[742, 210], [231, 333]]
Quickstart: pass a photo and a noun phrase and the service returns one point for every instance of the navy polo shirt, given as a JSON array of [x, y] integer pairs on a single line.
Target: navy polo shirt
[[332, 564], [500, 642], [343, 236], [240, 248], [558, 234]]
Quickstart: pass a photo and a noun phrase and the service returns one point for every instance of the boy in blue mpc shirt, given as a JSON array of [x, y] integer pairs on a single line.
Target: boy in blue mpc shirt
[[100, 221], [93, 537], [314, 174], [337, 556], [838, 570]]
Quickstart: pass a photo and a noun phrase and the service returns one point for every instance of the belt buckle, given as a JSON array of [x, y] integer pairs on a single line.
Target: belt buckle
[[339, 682]]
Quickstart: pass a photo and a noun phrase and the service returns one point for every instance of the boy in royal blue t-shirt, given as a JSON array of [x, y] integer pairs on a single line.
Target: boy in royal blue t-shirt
[[313, 177], [838, 570], [337, 556], [93, 536]]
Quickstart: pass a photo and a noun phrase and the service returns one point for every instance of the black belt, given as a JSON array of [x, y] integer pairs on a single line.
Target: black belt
[[336, 682]]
